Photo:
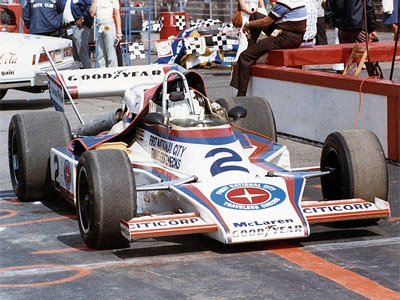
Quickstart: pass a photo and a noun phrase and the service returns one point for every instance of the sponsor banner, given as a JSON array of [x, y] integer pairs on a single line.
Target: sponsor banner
[[248, 196], [348, 209], [160, 224], [56, 93], [338, 208], [212, 161], [258, 211], [63, 172], [108, 81], [165, 225], [248, 211]]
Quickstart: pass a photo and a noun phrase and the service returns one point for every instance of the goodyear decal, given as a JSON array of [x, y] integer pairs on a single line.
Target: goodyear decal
[[248, 196]]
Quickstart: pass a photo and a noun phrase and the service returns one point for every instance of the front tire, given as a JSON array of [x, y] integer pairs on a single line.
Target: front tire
[[106, 193], [30, 138], [357, 164], [260, 117]]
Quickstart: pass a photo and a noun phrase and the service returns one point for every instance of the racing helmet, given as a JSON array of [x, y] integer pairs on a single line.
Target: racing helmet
[[133, 101]]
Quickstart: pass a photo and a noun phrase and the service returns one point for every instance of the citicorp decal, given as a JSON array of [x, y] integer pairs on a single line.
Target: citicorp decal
[[248, 196]]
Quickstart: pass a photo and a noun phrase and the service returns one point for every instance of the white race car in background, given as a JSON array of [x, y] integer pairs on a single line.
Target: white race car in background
[[171, 161], [24, 63]]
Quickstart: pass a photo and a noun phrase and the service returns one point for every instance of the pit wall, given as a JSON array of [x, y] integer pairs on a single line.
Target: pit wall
[[311, 104]]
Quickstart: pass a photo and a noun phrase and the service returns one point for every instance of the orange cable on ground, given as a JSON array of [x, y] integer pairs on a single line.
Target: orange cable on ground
[[360, 100]]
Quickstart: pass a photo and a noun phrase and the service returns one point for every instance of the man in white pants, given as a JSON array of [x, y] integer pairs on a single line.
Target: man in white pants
[[107, 11]]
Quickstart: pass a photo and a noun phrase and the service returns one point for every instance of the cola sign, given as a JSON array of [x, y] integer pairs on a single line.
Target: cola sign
[[8, 58]]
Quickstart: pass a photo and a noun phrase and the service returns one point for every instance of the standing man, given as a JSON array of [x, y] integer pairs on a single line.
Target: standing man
[[285, 26], [391, 15], [108, 30], [311, 27], [78, 21], [348, 17], [44, 17], [321, 24]]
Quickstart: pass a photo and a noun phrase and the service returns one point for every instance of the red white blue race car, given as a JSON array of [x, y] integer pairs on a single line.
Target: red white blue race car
[[171, 161]]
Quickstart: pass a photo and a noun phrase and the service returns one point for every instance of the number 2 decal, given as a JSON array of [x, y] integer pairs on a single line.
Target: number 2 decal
[[217, 167]]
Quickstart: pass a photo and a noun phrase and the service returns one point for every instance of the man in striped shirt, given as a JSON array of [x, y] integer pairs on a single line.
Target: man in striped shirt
[[285, 26]]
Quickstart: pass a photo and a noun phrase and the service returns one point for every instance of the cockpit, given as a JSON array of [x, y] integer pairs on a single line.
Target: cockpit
[[184, 106]]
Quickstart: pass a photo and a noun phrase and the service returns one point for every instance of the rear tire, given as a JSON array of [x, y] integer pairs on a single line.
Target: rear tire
[[30, 138], [260, 117], [358, 166], [105, 193]]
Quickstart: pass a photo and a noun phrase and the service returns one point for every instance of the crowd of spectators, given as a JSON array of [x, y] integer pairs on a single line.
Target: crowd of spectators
[[74, 19]]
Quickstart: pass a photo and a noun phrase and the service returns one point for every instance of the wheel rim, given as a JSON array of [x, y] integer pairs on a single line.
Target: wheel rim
[[83, 201], [333, 187], [14, 160]]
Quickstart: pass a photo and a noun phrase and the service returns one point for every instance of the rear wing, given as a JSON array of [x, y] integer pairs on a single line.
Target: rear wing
[[90, 83]]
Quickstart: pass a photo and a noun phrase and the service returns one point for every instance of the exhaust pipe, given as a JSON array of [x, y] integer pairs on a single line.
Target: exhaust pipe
[[102, 123]]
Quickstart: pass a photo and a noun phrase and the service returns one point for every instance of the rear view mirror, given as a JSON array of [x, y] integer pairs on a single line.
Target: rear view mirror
[[154, 119], [237, 112]]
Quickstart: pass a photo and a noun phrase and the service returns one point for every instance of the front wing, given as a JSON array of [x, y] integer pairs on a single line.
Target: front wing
[[314, 212]]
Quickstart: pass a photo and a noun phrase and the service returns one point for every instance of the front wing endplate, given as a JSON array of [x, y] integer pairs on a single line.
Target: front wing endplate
[[165, 225], [344, 210]]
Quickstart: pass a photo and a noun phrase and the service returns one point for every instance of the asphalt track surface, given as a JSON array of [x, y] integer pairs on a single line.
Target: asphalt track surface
[[43, 256]]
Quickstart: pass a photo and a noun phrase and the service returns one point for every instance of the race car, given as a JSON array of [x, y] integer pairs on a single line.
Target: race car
[[24, 63], [171, 161]]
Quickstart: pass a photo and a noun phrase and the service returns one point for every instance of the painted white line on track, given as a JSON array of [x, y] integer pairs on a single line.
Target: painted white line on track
[[352, 245]]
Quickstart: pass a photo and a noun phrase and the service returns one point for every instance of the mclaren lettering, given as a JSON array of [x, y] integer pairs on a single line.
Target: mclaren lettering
[[262, 223], [265, 228]]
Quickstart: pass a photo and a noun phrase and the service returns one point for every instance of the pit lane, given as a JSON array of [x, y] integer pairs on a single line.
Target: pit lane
[[43, 255]]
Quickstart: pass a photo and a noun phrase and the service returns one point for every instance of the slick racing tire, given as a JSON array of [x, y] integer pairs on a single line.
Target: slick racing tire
[[30, 138], [357, 164], [105, 193], [260, 117], [3, 92]]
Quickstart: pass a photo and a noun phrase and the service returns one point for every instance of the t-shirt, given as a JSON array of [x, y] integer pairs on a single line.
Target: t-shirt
[[104, 10], [290, 15]]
